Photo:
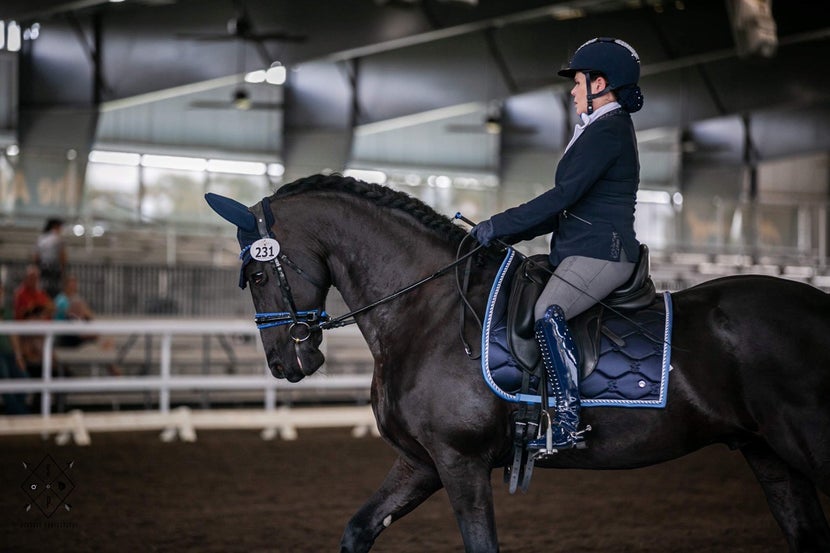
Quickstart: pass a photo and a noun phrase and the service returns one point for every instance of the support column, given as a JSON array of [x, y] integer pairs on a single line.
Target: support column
[[58, 115], [320, 114]]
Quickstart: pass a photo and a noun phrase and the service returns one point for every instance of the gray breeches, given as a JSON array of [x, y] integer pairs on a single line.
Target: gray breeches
[[579, 282]]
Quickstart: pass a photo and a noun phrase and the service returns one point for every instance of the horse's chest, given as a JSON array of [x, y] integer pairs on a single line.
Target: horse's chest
[[398, 410]]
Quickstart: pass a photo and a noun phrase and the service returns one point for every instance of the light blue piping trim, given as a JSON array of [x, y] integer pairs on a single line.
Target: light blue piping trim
[[485, 333]]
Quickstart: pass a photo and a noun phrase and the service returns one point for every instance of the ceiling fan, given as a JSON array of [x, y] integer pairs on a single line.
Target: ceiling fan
[[241, 28], [240, 100], [685, 143], [494, 123]]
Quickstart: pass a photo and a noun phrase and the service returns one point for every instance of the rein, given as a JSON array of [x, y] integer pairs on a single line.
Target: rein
[[302, 324], [348, 318]]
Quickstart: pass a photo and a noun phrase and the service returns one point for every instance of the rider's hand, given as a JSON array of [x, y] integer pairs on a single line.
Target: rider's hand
[[484, 232]]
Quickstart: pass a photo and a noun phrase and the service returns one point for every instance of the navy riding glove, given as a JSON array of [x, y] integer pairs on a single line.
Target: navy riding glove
[[484, 233]]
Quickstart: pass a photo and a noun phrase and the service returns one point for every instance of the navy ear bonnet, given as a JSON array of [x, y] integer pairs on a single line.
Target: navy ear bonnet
[[247, 230]]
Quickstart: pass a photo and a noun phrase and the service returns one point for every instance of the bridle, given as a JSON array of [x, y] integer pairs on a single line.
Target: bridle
[[303, 323]]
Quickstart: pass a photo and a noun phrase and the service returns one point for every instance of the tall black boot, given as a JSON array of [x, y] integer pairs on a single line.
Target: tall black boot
[[559, 358]]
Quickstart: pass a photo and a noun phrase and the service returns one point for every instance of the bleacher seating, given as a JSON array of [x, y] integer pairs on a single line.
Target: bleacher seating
[[129, 246], [190, 248]]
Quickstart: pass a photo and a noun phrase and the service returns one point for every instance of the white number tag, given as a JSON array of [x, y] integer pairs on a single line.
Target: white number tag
[[265, 249]]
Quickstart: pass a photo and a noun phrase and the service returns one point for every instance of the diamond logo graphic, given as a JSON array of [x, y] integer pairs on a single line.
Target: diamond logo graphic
[[48, 486]]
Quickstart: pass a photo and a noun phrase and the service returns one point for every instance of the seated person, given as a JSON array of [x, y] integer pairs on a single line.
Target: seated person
[[10, 366], [29, 295], [70, 306], [29, 353]]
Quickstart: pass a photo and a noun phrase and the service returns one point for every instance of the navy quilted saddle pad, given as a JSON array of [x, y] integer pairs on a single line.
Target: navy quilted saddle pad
[[628, 365]]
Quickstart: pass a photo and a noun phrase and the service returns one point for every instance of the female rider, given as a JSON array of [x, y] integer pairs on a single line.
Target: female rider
[[590, 211]]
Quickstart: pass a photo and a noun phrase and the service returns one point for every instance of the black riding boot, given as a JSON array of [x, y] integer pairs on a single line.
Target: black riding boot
[[560, 362]]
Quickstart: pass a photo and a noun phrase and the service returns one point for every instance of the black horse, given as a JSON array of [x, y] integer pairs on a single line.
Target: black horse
[[751, 364]]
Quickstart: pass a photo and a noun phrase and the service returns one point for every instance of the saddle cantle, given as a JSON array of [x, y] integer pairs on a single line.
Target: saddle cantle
[[625, 337]]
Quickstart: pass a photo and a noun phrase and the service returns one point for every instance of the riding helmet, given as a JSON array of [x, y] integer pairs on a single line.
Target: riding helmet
[[617, 61]]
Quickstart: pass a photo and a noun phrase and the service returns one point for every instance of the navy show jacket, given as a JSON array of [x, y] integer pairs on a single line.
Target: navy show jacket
[[590, 210]]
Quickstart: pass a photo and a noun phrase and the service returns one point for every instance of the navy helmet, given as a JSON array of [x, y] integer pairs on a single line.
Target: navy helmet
[[619, 64]]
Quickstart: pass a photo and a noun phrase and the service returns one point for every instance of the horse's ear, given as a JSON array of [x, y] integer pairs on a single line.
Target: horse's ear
[[232, 211]]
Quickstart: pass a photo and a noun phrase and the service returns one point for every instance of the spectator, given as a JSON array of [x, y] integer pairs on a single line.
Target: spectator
[[32, 303], [11, 361], [70, 306], [30, 351], [50, 256], [29, 295]]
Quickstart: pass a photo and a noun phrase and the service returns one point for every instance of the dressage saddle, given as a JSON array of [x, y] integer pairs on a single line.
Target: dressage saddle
[[638, 292]]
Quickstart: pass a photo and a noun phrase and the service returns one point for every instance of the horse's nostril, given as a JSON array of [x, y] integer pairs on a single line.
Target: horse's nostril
[[278, 370]]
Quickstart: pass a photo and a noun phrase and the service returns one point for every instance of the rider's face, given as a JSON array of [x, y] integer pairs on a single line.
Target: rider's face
[[580, 93]]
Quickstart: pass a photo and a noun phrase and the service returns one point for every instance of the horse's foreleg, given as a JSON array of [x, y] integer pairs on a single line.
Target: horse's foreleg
[[467, 481], [405, 487], [792, 499]]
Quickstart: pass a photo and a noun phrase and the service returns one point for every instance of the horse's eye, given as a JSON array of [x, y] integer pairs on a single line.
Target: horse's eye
[[258, 278]]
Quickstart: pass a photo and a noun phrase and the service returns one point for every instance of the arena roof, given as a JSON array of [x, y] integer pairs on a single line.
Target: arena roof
[[391, 75]]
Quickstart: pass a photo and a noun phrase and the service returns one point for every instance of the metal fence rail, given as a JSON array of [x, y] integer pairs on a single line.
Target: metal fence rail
[[165, 381]]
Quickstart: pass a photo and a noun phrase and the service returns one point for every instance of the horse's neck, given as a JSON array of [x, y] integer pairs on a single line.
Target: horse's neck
[[373, 255]]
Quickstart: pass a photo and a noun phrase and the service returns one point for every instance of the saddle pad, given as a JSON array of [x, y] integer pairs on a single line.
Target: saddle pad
[[635, 374]]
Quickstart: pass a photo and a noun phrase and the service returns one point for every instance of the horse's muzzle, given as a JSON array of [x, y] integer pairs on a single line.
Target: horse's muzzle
[[301, 362]]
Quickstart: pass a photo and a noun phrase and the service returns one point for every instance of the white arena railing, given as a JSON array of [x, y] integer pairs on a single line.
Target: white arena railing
[[182, 421]]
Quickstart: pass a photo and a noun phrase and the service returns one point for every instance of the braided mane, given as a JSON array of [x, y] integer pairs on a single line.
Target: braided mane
[[382, 196]]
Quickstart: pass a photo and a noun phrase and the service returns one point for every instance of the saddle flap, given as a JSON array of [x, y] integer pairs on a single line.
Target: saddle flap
[[528, 283], [586, 329]]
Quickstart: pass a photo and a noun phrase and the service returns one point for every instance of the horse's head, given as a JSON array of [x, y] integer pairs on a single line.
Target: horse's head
[[289, 299]]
